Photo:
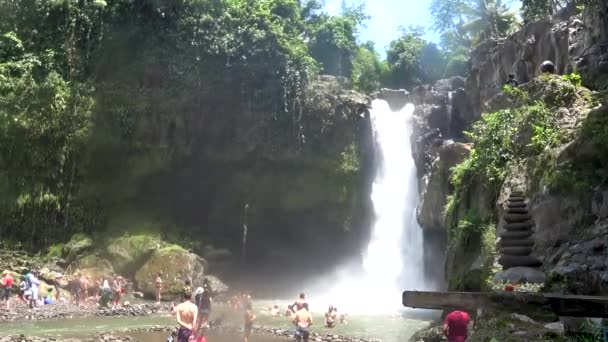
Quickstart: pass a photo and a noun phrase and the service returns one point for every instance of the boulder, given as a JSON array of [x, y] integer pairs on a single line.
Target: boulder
[[556, 328], [77, 246], [396, 98], [521, 275], [217, 286], [127, 253], [95, 266], [176, 265]]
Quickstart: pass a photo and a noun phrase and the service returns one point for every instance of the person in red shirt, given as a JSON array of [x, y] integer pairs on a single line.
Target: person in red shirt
[[455, 326], [7, 287]]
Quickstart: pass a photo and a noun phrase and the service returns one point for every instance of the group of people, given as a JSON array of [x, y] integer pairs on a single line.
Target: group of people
[[80, 287], [27, 292]]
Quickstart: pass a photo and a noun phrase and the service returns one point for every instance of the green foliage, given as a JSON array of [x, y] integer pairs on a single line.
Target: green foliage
[[368, 69], [334, 40], [482, 19], [515, 94], [412, 61], [457, 65], [350, 160], [573, 78], [558, 93]]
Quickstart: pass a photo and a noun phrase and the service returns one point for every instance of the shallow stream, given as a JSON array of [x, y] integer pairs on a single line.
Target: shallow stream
[[384, 327]]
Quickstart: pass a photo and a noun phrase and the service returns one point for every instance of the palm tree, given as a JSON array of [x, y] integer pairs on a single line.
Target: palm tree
[[488, 19]]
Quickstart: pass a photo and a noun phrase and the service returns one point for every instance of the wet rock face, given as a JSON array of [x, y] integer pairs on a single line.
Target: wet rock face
[[516, 241], [396, 98], [435, 190]]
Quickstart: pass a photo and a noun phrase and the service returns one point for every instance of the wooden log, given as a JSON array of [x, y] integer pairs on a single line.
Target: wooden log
[[562, 305]]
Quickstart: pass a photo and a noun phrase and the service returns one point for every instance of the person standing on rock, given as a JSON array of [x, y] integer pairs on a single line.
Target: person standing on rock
[[249, 318], [117, 291], [7, 288], [58, 277], [34, 284], [158, 283], [84, 288], [186, 314], [512, 81], [455, 326], [303, 321]]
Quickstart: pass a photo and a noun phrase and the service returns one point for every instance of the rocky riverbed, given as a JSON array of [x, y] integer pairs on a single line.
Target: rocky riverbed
[[68, 310], [104, 337]]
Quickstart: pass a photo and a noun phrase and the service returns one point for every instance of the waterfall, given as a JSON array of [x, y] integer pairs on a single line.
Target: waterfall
[[394, 256], [393, 259]]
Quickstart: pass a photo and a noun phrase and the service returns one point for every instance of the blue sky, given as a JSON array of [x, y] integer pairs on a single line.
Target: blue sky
[[388, 15]]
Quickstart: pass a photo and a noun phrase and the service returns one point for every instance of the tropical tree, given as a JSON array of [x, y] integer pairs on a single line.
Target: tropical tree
[[488, 19], [482, 19]]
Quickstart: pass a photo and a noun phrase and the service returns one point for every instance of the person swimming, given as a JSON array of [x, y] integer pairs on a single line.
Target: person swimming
[[331, 317]]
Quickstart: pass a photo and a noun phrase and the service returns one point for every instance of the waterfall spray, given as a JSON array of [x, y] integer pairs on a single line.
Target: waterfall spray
[[393, 259]]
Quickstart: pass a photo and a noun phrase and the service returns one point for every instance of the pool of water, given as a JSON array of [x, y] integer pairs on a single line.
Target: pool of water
[[385, 327]]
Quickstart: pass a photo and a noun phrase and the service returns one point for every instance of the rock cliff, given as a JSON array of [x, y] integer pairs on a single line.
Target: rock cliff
[[575, 41]]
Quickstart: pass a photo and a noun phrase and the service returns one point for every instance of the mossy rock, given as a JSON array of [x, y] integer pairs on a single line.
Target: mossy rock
[[78, 244], [127, 253], [176, 265], [95, 266]]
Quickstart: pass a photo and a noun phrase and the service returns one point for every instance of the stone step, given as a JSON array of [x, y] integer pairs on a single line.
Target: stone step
[[514, 235], [516, 243], [523, 210], [508, 261], [526, 225], [516, 194], [516, 205], [516, 251], [517, 217], [516, 199]]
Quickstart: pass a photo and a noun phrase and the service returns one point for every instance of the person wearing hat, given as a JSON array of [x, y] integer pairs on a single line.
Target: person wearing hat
[[512, 81], [7, 288]]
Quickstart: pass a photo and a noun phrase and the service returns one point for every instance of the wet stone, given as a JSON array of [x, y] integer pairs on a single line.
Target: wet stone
[[510, 218], [519, 225]]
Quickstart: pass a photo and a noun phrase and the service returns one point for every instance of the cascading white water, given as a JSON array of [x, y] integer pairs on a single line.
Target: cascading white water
[[393, 259], [394, 256]]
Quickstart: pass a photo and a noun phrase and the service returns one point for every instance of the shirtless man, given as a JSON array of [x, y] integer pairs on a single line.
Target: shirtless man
[[186, 314], [331, 316], [302, 320], [299, 303]]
